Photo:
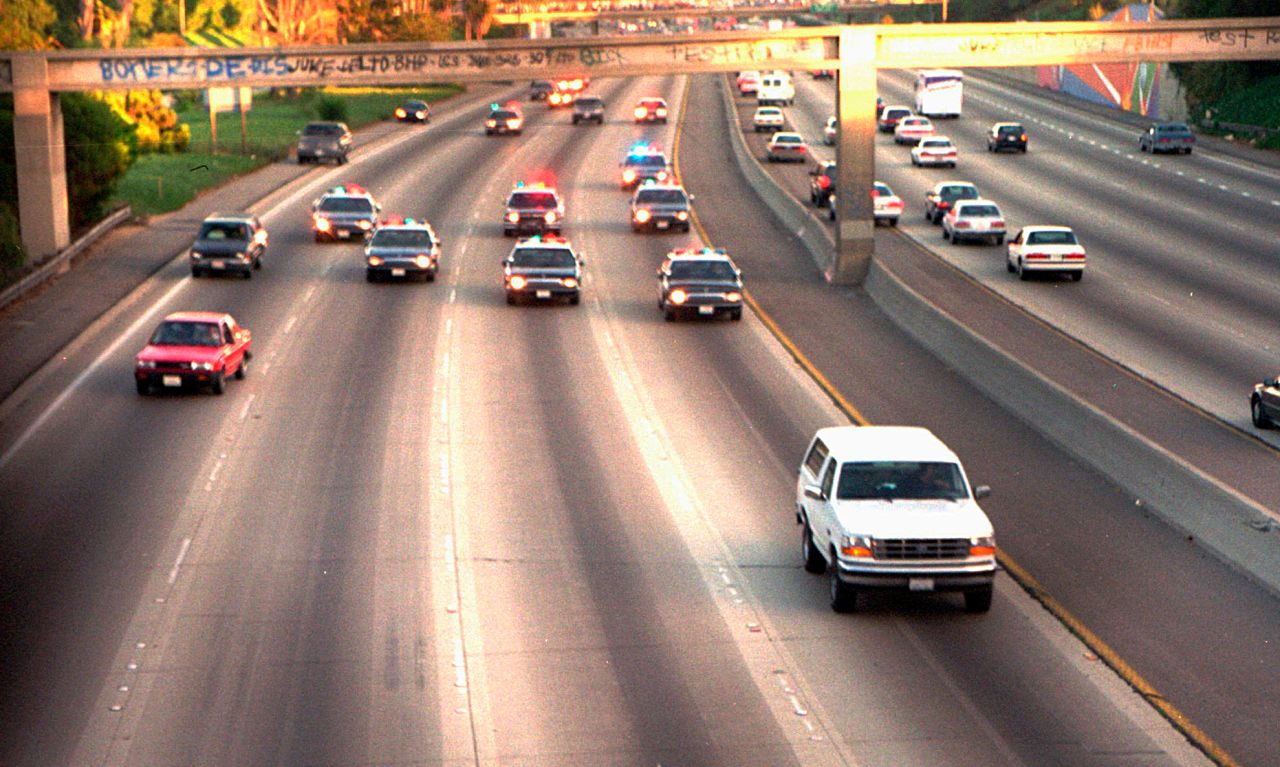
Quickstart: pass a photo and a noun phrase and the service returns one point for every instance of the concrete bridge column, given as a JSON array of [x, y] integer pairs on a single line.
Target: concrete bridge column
[[41, 159], [855, 157]]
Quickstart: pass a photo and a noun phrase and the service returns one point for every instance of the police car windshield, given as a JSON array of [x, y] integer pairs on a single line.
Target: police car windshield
[[400, 238], [543, 257], [647, 160], [910, 480], [541, 200], [187, 334], [1051, 238], [702, 270], [661, 196], [346, 205], [223, 230]]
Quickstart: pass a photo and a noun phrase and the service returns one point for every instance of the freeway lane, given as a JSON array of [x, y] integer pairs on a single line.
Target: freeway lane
[[1125, 578], [1171, 238], [438, 529]]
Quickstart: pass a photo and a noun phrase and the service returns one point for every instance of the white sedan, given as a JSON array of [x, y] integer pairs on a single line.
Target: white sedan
[[830, 131], [786, 147], [768, 119], [974, 220], [888, 206], [911, 129], [1046, 249], [935, 150]]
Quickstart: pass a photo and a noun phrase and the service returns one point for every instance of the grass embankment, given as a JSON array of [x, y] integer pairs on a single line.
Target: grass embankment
[[1257, 105], [158, 183]]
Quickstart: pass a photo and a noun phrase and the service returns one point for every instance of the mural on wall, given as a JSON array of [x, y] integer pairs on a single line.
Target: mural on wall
[[1133, 86]]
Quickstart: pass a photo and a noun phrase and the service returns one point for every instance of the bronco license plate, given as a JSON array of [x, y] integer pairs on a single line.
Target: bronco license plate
[[920, 584]]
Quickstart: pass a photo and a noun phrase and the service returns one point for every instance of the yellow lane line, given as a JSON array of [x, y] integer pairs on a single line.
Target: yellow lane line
[[1198, 737]]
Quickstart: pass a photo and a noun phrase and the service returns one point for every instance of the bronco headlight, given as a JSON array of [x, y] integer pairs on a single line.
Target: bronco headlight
[[855, 546], [984, 546]]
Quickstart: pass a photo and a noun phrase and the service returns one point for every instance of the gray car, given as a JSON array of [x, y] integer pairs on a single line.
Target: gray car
[[588, 109], [228, 242], [542, 268], [660, 207], [701, 282], [324, 141], [344, 213], [1167, 137]]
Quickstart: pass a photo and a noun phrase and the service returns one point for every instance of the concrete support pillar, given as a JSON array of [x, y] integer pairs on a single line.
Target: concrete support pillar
[[855, 157], [41, 159]]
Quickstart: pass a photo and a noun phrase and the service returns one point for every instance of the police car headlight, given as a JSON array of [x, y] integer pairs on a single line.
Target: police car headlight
[[375, 261], [513, 217], [197, 254], [678, 296], [365, 225], [242, 256], [662, 175], [323, 224], [490, 123], [550, 217], [517, 282], [569, 282], [513, 124], [642, 216], [628, 175], [421, 115], [733, 296], [400, 112], [641, 112], [682, 215], [422, 261]]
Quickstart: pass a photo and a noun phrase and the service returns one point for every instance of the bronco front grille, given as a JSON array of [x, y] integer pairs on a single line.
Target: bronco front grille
[[920, 548]]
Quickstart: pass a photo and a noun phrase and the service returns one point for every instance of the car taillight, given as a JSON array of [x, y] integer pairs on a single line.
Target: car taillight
[[513, 217], [944, 205], [894, 204], [1036, 257], [824, 182], [962, 224], [518, 282], [643, 215], [997, 222], [1074, 256], [1024, 137]]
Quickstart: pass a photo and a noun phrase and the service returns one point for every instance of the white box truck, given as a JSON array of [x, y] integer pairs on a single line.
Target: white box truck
[[939, 92]]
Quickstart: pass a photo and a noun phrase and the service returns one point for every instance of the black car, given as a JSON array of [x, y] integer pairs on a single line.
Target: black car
[[542, 268], [641, 165], [1167, 137], [324, 140], [540, 89], [228, 242], [822, 183], [699, 281], [1007, 136], [588, 109], [536, 209], [413, 112], [402, 247], [1264, 403], [938, 201]]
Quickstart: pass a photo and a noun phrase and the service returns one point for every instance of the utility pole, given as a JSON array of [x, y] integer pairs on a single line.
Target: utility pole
[[182, 17]]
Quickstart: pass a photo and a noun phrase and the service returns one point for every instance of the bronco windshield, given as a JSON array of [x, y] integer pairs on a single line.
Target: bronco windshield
[[906, 480]]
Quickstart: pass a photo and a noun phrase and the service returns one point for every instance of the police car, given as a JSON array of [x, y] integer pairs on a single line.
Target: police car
[[504, 119], [659, 207], [645, 162], [402, 247], [344, 212], [699, 281], [542, 267], [533, 208]]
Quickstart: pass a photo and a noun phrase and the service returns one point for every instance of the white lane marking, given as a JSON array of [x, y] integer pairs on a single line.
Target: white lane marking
[[288, 326], [311, 291], [244, 411], [177, 563], [1245, 194], [1273, 202], [459, 666], [448, 326], [1223, 187], [453, 294], [93, 366]]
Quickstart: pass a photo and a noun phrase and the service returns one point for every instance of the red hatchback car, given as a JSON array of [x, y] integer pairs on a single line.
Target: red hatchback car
[[193, 349]]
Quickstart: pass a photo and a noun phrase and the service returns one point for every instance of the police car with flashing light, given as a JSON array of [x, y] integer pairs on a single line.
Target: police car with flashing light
[[645, 162], [402, 247], [344, 212], [699, 281], [504, 120], [543, 268], [659, 207], [533, 208]]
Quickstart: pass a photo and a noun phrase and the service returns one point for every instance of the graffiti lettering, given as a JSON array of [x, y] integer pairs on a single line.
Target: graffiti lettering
[[159, 69], [595, 57]]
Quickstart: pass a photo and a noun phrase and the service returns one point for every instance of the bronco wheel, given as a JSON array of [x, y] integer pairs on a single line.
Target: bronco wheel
[[978, 600], [813, 561], [844, 598]]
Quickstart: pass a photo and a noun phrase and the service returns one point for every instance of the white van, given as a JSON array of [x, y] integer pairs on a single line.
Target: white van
[[889, 507], [775, 88], [939, 93]]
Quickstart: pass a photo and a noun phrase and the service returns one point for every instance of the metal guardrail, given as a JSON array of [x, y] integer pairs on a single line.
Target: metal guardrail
[[55, 264]]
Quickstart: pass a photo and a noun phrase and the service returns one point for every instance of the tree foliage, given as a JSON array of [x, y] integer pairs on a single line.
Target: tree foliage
[[100, 148], [365, 21], [25, 25], [1206, 82]]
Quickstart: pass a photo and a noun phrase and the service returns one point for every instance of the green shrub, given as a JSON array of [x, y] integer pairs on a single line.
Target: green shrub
[[330, 107], [12, 255], [100, 148]]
